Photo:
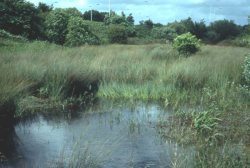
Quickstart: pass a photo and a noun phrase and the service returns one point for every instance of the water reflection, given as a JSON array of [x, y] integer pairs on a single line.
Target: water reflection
[[109, 134]]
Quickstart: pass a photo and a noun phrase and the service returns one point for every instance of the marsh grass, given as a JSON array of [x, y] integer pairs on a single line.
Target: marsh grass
[[153, 71], [210, 79]]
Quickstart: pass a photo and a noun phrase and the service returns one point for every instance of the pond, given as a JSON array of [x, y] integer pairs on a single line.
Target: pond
[[108, 134]]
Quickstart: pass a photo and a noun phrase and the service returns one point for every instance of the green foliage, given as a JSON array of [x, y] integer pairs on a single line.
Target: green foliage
[[164, 33], [188, 25], [20, 18], [117, 34], [116, 19], [186, 44], [130, 19], [44, 7], [224, 29], [246, 70], [99, 29], [96, 15], [178, 27], [199, 29], [128, 23], [56, 26], [143, 30], [72, 12], [7, 35], [205, 121], [212, 37], [79, 34]]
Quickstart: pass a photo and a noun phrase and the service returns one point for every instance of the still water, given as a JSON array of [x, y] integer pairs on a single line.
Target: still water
[[108, 134]]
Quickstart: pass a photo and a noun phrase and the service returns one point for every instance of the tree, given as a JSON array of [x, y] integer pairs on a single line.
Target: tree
[[164, 33], [44, 10], [56, 26], [79, 34], [130, 19], [224, 29], [178, 27], [144, 28], [149, 24], [20, 18], [199, 29], [96, 15], [116, 19], [188, 24], [117, 34], [72, 12], [42, 7]]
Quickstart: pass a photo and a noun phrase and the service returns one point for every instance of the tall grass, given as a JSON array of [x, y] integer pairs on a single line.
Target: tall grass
[[142, 72]]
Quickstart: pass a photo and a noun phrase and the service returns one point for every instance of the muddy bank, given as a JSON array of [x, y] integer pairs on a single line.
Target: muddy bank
[[8, 137]]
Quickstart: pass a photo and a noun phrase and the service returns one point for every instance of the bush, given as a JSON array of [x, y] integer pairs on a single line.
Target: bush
[[186, 44], [56, 26], [117, 34], [79, 34], [246, 71]]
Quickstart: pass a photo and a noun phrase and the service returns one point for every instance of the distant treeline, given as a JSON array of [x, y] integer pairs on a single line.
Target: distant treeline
[[69, 26]]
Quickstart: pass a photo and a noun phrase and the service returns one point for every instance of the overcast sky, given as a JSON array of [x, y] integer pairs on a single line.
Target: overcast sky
[[164, 11]]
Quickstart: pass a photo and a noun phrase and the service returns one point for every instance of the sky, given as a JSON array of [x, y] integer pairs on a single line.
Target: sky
[[164, 11]]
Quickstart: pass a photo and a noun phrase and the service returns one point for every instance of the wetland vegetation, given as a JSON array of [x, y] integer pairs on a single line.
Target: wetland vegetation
[[59, 78]]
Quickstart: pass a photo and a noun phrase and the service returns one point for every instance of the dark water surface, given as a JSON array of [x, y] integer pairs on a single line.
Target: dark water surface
[[106, 135]]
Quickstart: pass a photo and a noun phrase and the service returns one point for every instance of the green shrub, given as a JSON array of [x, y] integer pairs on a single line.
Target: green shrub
[[56, 26], [79, 34], [186, 44], [117, 34], [246, 71]]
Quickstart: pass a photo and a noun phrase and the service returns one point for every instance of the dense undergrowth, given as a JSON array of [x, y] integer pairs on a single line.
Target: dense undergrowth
[[40, 76]]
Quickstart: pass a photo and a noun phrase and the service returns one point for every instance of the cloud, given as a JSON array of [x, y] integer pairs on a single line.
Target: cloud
[[82, 2], [165, 11]]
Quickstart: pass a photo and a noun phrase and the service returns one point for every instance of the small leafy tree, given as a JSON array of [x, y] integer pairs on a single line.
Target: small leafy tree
[[117, 34], [79, 34], [56, 26], [186, 44]]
